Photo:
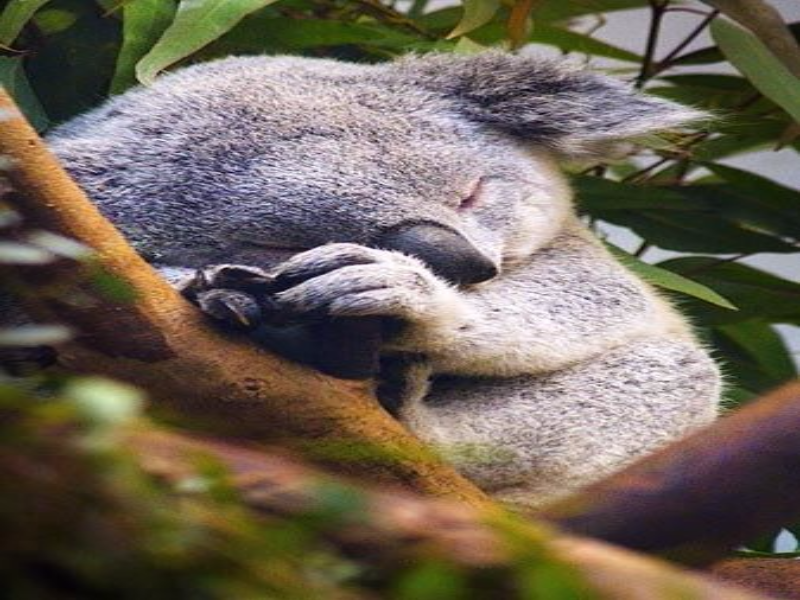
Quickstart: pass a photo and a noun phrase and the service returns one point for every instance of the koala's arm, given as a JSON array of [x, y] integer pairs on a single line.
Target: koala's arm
[[570, 302]]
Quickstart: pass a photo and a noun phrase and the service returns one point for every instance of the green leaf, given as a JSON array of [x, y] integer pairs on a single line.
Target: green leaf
[[756, 293], [763, 190], [15, 253], [750, 199], [766, 72], [713, 92], [696, 232], [763, 347], [572, 41], [552, 580], [669, 280], [597, 194], [104, 402], [15, 81], [431, 580], [754, 357], [561, 11], [568, 41], [197, 23], [476, 14], [712, 54], [72, 69], [144, 22], [262, 33], [15, 15], [466, 46], [34, 335], [742, 134], [445, 19]]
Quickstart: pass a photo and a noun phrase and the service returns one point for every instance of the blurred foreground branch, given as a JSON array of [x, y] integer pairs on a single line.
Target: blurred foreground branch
[[393, 527]]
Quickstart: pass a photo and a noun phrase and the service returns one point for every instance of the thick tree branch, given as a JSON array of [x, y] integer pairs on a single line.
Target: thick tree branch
[[779, 577], [162, 344], [703, 496], [396, 526]]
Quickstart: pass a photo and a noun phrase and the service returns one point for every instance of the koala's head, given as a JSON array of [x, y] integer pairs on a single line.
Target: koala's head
[[447, 158]]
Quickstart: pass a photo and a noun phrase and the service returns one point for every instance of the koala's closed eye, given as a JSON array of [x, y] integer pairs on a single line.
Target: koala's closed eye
[[473, 197]]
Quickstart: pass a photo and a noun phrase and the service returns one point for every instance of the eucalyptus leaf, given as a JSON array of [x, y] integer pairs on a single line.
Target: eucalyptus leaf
[[196, 24], [476, 14], [104, 402], [764, 347], [59, 245], [431, 580], [756, 293], [72, 69], [34, 335], [262, 33], [596, 194], [766, 72], [704, 232], [144, 22], [767, 25], [669, 280], [14, 17], [467, 46], [14, 79], [16, 253], [562, 38], [712, 54]]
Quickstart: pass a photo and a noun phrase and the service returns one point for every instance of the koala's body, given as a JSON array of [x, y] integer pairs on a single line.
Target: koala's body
[[424, 194]]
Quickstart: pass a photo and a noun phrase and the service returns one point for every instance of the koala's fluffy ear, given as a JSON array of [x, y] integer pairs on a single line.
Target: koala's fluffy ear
[[563, 107]]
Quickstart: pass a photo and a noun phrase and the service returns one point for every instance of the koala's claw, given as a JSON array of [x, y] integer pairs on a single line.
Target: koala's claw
[[236, 295], [233, 277], [239, 309], [319, 261]]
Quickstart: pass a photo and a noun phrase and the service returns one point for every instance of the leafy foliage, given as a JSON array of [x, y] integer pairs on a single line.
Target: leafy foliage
[[61, 57]]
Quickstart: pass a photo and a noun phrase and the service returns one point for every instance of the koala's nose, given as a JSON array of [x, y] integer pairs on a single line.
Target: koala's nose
[[444, 250]]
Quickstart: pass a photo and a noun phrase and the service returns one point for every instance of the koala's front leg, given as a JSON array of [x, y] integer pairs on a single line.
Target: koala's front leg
[[241, 298], [348, 280]]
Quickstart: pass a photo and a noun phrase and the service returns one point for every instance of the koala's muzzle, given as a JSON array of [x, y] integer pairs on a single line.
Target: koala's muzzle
[[444, 250]]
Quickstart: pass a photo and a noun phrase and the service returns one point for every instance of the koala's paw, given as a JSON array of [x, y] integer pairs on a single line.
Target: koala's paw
[[348, 280], [235, 295]]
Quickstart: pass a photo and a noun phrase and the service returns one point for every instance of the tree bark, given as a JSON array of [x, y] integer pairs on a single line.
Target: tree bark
[[394, 526], [162, 344], [778, 577], [701, 497]]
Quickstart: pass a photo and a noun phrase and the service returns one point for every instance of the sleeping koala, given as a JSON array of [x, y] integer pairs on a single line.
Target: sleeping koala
[[294, 197]]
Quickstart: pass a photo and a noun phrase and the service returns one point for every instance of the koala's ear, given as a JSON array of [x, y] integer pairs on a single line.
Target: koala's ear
[[570, 110]]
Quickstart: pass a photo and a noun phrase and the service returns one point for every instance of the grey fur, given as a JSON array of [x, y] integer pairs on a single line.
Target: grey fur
[[556, 372]]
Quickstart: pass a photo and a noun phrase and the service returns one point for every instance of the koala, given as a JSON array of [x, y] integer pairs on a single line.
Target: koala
[[309, 203]]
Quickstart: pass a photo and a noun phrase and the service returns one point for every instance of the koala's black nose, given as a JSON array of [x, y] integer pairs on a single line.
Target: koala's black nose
[[444, 250]]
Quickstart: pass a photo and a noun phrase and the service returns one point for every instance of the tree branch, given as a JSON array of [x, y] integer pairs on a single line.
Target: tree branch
[[778, 577], [395, 526], [701, 497], [162, 343]]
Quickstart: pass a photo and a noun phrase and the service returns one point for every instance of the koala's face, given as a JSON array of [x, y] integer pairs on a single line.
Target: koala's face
[[251, 160]]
